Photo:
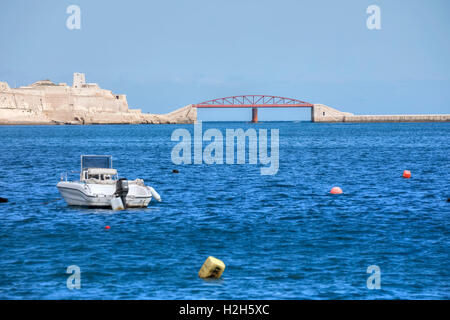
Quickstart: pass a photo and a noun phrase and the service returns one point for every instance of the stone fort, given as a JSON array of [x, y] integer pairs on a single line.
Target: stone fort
[[45, 102]]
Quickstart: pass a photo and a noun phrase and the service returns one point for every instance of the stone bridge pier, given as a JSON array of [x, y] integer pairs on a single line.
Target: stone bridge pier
[[323, 113]]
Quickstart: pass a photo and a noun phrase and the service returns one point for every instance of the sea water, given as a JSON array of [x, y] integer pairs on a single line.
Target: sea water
[[281, 236]]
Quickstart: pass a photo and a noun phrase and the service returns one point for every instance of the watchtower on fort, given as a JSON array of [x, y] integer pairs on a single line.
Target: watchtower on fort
[[79, 80]]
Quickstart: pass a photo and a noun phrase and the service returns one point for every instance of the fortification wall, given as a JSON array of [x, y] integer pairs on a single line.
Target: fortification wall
[[22, 101], [83, 103], [57, 98]]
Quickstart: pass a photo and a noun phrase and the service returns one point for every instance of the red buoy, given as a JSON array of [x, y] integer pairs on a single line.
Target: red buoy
[[336, 190], [406, 174], [107, 227]]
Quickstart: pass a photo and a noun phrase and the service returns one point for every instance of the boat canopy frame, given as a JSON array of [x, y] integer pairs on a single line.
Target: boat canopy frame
[[96, 161]]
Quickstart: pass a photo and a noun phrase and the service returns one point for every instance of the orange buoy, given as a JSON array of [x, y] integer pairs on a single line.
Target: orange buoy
[[406, 174], [336, 190], [107, 227]]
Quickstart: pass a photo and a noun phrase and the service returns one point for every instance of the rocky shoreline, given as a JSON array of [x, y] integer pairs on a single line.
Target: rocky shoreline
[[186, 114]]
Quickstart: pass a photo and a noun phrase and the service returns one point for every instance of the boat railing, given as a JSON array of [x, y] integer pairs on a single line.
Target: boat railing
[[64, 175]]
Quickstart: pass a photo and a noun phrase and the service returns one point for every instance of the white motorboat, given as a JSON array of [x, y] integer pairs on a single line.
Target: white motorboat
[[99, 186]]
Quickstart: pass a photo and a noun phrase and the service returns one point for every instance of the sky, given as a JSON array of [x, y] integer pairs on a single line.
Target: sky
[[167, 54]]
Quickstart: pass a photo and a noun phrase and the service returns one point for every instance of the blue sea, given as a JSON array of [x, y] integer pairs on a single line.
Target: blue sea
[[281, 236]]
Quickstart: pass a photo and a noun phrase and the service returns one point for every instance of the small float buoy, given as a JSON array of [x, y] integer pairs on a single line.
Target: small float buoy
[[212, 268], [406, 174], [107, 227], [336, 190], [448, 199], [175, 171], [3, 200]]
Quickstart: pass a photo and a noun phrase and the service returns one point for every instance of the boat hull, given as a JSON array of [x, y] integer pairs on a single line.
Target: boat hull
[[78, 194]]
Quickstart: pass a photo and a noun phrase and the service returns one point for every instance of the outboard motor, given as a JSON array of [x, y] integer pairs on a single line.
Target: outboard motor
[[122, 190]]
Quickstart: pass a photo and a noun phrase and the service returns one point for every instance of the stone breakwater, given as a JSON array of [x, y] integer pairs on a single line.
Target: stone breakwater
[[45, 102], [323, 113]]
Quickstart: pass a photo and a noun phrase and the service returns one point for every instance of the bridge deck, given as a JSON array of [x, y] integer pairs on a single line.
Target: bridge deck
[[305, 105], [254, 102]]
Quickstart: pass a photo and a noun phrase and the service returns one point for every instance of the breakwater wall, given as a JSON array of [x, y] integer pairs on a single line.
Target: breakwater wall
[[323, 113]]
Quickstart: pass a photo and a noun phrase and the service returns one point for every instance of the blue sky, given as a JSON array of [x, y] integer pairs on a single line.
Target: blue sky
[[167, 54]]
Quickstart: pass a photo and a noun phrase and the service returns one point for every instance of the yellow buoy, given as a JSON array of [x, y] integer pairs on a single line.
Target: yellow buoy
[[212, 268]]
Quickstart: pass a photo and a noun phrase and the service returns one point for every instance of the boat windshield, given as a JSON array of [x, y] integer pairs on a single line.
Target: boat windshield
[[96, 162]]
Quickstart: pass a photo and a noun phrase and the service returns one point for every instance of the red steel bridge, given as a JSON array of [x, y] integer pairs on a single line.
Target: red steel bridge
[[254, 102]]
